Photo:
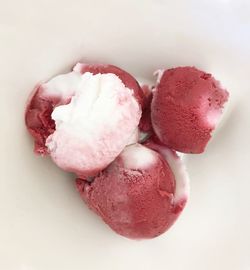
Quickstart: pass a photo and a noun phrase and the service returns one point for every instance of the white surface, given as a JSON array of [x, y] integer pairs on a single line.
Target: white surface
[[43, 223], [135, 137], [179, 169], [62, 86], [137, 157]]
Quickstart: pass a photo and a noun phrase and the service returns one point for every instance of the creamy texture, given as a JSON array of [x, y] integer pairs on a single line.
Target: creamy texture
[[178, 168], [134, 137], [158, 74], [138, 157], [79, 67], [98, 122], [213, 117], [62, 86], [180, 173]]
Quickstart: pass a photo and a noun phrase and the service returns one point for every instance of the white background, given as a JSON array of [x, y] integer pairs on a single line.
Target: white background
[[43, 223]]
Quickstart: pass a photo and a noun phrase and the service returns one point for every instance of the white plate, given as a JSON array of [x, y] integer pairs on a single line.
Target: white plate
[[43, 223]]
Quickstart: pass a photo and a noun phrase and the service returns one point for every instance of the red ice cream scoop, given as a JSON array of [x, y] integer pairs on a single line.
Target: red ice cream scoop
[[141, 194], [186, 107]]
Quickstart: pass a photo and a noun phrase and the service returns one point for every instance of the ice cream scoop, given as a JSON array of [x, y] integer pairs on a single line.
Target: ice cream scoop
[[186, 106], [140, 194], [85, 118]]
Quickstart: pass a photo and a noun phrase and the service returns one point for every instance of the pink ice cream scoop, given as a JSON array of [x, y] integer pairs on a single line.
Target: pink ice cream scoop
[[140, 194], [186, 107], [85, 118]]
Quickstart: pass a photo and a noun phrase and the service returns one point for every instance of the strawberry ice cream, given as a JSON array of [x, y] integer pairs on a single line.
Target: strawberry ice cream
[[186, 107], [120, 139], [76, 117], [141, 193]]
